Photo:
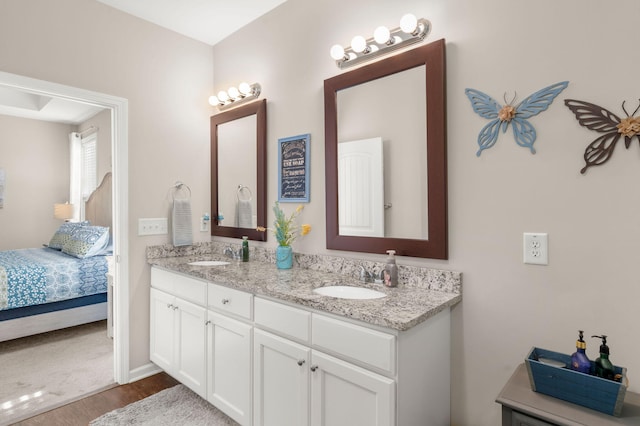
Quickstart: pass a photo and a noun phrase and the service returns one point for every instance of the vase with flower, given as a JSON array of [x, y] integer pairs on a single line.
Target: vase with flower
[[286, 231]]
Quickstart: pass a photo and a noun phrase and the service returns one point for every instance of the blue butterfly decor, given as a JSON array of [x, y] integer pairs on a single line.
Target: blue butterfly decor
[[523, 131]]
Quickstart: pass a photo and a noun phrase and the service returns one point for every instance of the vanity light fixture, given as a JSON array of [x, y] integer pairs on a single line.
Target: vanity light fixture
[[411, 30], [235, 96]]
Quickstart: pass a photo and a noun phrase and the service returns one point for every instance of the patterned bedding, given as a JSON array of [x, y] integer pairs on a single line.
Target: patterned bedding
[[42, 275]]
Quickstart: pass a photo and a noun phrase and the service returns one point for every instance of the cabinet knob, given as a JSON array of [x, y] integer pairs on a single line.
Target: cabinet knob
[[208, 322], [169, 305], [313, 367], [175, 308], [300, 361], [225, 301]]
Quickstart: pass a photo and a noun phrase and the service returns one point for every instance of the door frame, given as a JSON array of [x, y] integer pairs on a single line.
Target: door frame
[[119, 153]]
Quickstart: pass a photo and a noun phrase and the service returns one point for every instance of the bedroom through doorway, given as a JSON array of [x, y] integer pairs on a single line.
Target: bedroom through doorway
[[110, 120]]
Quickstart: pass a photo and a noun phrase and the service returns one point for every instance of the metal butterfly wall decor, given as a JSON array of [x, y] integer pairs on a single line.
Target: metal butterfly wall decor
[[501, 116], [596, 118]]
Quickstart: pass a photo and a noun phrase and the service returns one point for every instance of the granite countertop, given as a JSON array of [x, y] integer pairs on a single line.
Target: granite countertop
[[403, 308]]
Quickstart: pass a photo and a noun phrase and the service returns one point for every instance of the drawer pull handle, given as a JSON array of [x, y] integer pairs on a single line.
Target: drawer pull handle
[[314, 367], [225, 301], [301, 362], [208, 322], [175, 308], [169, 305]]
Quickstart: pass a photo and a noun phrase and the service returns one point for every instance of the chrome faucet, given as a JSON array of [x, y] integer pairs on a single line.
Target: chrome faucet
[[229, 252], [365, 275]]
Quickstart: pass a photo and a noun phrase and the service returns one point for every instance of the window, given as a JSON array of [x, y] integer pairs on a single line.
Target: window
[[84, 170]]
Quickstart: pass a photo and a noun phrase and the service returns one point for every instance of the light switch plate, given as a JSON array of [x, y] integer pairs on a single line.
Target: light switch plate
[[153, 226], [536, 248]]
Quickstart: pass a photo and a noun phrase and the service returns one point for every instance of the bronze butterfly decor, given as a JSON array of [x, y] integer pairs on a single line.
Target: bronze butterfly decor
[[596, 118]]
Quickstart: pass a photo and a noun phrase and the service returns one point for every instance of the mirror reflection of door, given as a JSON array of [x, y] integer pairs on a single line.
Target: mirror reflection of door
[[361, 188], [394, 108]]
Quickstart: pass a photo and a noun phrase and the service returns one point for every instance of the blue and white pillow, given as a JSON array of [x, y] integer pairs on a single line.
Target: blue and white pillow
[[87, 241], [63, 234]]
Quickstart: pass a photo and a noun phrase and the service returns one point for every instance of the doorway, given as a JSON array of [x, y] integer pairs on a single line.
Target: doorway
[[119, 131]]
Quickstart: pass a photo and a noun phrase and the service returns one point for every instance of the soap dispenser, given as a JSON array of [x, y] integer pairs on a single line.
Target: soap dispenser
[[391, 270], [604, 367], [579, 360]]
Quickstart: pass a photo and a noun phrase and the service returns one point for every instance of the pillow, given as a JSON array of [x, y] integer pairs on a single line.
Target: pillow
[[63, 233], [86, 241]]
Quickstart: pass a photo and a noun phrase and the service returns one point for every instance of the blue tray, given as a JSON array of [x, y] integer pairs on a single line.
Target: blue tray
[[606, 396]]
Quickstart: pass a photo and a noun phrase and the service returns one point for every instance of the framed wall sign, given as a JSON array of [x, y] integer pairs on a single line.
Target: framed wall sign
[[293, 169]]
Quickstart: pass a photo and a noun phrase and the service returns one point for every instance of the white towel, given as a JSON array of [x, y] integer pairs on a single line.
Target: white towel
[[181, 223], [244, 214]]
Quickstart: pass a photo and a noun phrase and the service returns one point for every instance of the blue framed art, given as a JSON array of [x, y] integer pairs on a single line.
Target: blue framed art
[[293, 169]]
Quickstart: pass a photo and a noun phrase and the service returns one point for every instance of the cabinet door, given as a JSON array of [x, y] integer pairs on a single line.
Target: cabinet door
[[229, 367], [344, 394], [280, 381], [162, 331], [191, 347]]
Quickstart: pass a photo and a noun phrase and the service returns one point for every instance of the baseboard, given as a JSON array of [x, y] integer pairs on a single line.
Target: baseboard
[[144, 371]]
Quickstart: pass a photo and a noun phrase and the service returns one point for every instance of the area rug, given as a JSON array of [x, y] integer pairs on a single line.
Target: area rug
[[174, 406], [42, 372]]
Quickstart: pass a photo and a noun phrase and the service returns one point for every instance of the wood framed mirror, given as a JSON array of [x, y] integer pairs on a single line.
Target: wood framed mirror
[[404, 111], [239, 171]]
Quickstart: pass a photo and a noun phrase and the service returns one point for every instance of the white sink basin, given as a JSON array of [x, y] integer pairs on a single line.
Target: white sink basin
[[349, 292], [209, 263]]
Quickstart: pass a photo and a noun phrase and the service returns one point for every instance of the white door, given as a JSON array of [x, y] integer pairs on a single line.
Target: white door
[[191, 347], [229, 367], [361, 188], [162, 332], [281, 381], [344, 394]]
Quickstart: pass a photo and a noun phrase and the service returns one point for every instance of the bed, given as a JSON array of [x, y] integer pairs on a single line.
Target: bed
[[64, 283]]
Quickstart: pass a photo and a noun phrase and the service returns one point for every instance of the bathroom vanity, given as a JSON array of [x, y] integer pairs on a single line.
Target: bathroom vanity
[[261, 346]]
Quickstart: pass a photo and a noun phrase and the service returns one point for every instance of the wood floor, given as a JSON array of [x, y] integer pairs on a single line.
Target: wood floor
[[83, 411]]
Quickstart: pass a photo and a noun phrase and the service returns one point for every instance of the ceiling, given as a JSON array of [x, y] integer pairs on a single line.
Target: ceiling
[[208, 21]]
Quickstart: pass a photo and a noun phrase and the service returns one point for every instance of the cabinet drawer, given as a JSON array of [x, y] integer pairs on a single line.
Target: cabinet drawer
[[179, 285], [362, 344], [283, 319], [229, 300]]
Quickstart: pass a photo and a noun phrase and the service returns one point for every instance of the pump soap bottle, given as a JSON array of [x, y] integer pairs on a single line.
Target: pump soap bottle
[[604, 367], [579, 360], [391, 270]]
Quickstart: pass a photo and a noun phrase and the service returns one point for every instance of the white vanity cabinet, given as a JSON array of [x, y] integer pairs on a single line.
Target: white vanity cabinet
[[229, 352], [265, 362], [297, 384], [177, 341]]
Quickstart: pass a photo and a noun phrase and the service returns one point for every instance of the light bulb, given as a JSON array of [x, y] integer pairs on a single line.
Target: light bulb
[[408, 23], [381, 35], [337, 52], [213, 100], [233, 93], [245, 89], [358, 44], [222, 96]]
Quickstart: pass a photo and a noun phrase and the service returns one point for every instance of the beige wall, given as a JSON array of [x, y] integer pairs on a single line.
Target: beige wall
[[166, 78], [35, 157], [592, 280]]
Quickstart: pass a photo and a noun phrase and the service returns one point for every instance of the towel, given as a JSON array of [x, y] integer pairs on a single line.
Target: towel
[[244, 214], [181, 223]]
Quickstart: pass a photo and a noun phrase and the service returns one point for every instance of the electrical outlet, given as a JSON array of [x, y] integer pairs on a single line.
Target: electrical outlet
[[152, 226], [536, 248]]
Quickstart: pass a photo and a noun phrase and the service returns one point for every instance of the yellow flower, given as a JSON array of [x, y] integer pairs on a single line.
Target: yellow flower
[[284, 227]]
